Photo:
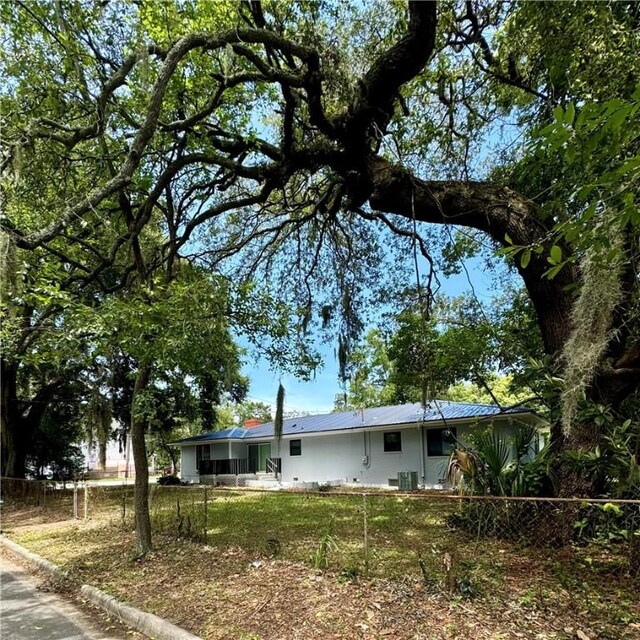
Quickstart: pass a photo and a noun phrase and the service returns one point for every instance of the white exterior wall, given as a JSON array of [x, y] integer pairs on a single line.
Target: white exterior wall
[[341, 457], [384, 465], [324, 458], [188, 471]]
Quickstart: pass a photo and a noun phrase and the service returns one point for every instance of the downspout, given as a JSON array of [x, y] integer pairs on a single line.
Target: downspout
[[366, 458]]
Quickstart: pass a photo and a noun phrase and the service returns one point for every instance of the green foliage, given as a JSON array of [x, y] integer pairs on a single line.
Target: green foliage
[[321, 556], [371, 367], [431, 356], [520, 522], [608, 523], [53, 451], [278, 420], [503, 389], [431, 359], [328, 545], [158, 146], [233, 414], [501, 466], [613, 467]]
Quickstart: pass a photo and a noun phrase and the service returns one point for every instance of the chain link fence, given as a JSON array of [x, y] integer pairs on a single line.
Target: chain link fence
[[447, 541], [462, 544], [52, 499]]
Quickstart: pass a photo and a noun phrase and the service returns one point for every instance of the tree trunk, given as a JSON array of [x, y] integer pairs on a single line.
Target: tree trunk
[[102, 455], [139, 448], [20, 419], [172, 452], [14, 464], [12, 426], [572, 483]]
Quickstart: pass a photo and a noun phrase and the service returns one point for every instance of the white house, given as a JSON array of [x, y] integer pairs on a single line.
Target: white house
[[368, 447], [118, 461]]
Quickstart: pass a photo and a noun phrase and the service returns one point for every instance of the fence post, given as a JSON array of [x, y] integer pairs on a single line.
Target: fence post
[[86, 501], [206, 513], [366, 534], [124, 503], [75, 499]]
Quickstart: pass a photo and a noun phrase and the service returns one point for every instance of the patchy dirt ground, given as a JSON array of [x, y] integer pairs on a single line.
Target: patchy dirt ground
[[225, 593]]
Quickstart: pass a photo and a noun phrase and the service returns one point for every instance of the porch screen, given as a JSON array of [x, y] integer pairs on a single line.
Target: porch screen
[[203, 452]]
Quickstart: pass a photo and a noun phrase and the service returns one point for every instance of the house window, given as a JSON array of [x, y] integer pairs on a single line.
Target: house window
[[203, 452], [295, 447], [393, 441], [440, 442]]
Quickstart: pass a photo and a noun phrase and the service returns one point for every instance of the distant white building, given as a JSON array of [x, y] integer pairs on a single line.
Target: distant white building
[[368, 447], [119, 461]]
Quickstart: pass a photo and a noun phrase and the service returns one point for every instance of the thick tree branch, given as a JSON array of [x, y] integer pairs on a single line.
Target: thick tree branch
[[499, 212], [147, 129], [374, 104]]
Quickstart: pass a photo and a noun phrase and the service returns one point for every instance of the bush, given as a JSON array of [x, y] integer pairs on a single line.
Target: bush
[[517, 521], [608, 522], [169, 480]]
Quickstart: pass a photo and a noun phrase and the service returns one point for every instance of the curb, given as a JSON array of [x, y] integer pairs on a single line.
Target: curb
[[150, 624], [147, 623], [53, 570]]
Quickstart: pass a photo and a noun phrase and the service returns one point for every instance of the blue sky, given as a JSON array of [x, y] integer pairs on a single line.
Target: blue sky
[[317, 396]]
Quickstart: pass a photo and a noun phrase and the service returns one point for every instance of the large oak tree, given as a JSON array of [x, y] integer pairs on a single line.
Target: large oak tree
[[283, 140]]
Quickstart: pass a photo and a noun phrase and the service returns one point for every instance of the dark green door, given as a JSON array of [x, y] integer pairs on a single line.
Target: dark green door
[[258, 453]]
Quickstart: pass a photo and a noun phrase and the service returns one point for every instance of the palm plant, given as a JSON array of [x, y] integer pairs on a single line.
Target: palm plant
[[495, 465]]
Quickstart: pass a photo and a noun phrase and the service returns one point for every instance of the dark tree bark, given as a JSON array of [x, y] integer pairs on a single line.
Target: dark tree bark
[[102, 455], [139, 448], [20, 419], [14, 436]]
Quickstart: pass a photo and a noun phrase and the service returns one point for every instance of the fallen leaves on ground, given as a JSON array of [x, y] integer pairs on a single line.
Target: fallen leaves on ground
[[230, 594]]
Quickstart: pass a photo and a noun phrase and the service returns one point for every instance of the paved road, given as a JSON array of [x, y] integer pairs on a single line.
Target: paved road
[[29, 614]]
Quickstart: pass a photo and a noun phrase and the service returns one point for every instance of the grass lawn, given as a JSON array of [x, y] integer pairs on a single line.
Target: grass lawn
[[295, 566]]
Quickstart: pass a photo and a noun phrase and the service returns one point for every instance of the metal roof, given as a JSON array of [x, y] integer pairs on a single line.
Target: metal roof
[[436, 411]]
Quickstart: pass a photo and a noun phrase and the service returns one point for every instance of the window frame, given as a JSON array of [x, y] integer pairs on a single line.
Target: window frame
[[446, 444], [386, 444], [299, 447]]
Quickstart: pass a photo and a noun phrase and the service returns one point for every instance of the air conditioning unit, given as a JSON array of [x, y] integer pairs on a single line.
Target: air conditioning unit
[[407, 480]]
